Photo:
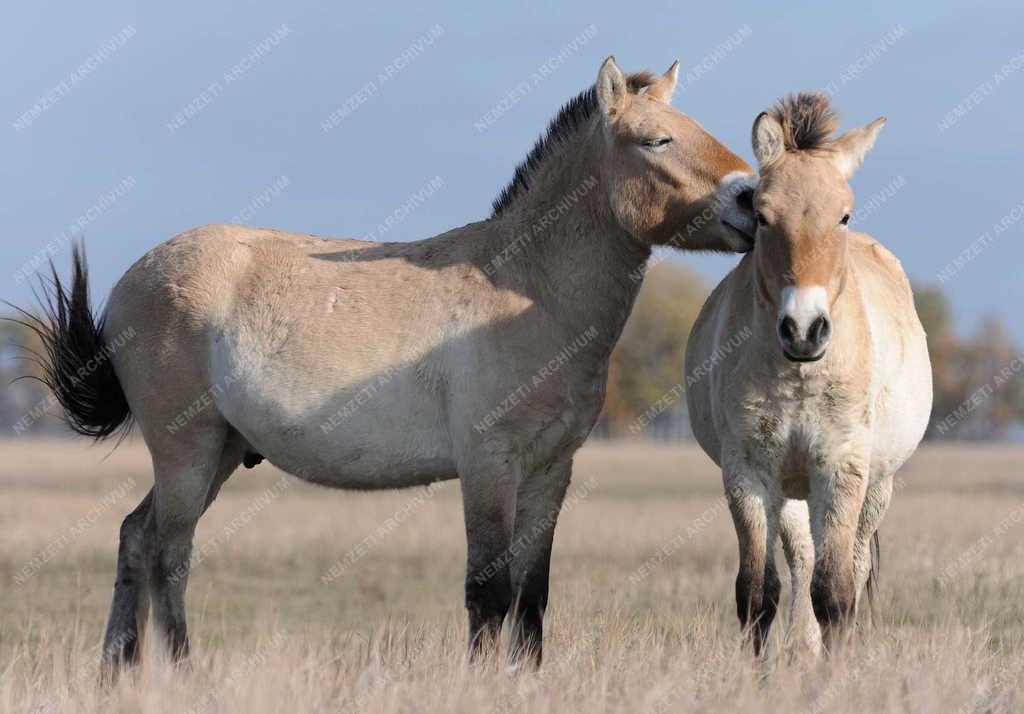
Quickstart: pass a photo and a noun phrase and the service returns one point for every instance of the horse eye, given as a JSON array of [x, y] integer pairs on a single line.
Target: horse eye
[[655, 143], [761, 220], [845, 219]]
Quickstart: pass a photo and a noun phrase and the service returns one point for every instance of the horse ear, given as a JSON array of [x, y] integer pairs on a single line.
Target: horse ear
[[611, 88], [853, 146], [663, 87], [767, 139]]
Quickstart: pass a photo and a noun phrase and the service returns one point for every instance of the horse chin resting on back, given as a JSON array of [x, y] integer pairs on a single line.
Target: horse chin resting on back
[[809, 380], [480, 354]]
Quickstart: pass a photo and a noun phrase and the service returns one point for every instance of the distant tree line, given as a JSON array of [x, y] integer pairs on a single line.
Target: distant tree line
[[978, 380], [978, 384]]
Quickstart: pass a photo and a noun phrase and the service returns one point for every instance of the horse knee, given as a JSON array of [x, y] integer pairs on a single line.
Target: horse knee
[[133, 553]]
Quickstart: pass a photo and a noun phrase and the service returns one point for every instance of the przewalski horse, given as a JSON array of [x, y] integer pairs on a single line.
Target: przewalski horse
[[481, 353], [829, 392]]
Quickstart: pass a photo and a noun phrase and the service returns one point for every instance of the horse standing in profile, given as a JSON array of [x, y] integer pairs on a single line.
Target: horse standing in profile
[[829, 393], [387, 365]]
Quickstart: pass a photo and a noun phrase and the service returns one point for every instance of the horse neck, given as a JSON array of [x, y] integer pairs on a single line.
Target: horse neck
[[573, 258]]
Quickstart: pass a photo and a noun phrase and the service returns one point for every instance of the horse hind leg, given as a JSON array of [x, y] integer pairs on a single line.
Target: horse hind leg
[[876, 503], [129, 608], [187, 481]]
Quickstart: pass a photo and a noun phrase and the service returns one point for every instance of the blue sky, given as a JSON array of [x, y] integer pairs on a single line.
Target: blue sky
[[71, 136]]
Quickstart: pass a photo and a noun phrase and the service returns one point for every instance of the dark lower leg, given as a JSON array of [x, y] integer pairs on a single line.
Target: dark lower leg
[[489, 480], [836, 505], [539, 502], [130, 604], [528, 616], [834, 598], [757, 601], [170, 576], [488, 596], [757, 583]]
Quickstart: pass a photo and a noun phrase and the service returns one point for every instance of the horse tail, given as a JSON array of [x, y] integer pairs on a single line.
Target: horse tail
[[75, 363], [876, 566]]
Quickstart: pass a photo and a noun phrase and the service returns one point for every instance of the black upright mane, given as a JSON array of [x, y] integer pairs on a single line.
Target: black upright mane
[[570, 117], [807, 119]]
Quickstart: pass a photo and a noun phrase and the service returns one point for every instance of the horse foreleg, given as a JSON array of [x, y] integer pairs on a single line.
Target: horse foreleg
[[795, 528], [489, 497], [835, 500], [538, 503], [755, 515]]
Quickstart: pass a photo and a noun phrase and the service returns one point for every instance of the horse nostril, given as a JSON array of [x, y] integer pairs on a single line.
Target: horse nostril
[[787, 329], [745, 199], [819, 331]]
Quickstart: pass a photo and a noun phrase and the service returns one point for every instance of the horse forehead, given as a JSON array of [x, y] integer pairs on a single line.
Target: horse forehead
[[645, 114], [802, 191], [648, 117]]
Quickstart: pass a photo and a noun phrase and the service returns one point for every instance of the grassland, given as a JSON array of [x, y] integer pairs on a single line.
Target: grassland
[[274, 628]]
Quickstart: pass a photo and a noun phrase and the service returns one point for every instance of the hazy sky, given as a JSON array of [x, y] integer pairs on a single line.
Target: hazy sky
[[311, 109]]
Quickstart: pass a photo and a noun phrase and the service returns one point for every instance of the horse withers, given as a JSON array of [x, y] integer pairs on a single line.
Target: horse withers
[[479, 354], [825, 388]]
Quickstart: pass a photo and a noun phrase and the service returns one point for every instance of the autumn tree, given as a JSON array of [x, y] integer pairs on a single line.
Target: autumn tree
[[978, 392], [648, 361]]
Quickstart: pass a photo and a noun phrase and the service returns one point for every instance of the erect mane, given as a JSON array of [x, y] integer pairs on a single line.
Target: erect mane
[[570, 117], [808, 120]]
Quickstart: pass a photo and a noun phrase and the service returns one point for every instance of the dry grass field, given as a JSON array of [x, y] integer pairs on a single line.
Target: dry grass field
[[275, 629]]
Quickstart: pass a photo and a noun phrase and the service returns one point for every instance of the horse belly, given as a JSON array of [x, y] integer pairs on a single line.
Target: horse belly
[[382, 432]]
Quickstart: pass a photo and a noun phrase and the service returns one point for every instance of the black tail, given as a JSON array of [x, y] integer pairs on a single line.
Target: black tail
[[872, 584], [76, 362]]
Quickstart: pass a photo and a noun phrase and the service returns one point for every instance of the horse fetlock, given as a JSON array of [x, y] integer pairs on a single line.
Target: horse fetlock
[[484, 633], [119, 649], [527, 636], [756, 596], [487, 602], [834, 600], [757, 602]]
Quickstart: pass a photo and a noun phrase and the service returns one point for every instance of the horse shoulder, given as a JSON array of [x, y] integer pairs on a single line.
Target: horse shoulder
[[719, 321], [879, 265]]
